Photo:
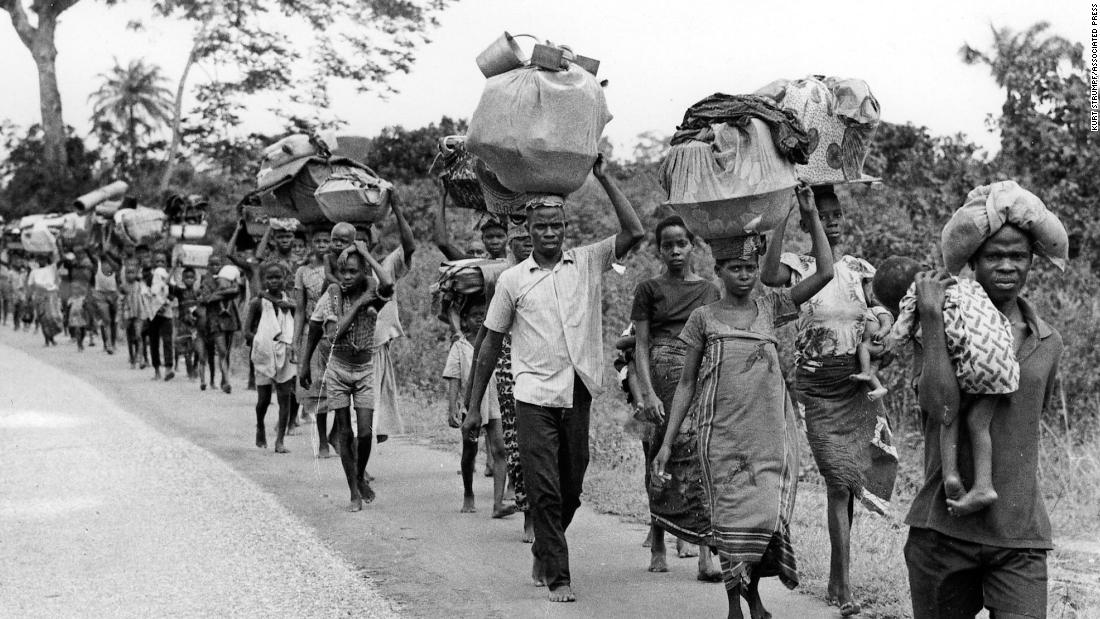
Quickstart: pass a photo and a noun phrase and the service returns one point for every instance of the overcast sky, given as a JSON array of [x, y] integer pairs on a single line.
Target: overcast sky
[[659, 55]]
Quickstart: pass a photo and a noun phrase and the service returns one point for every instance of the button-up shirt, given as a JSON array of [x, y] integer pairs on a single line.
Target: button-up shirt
[[554, 316]]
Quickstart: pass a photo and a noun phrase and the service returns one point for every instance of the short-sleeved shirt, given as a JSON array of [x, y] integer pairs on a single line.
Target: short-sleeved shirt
[[309, 283], [554, 316], [360, 335], [1018, 519], [666, 304], [833, 321], [773, 309], [459, 361]]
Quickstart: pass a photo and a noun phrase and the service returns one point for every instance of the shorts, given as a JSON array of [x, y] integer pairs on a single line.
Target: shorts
[[346, 384], [950, 577], [282, 388], [284, 376]]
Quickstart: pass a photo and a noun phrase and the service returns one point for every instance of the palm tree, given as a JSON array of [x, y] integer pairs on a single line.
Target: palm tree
[[134, 100]]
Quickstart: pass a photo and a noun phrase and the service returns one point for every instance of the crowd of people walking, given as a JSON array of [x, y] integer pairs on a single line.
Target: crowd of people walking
[[320, 316]]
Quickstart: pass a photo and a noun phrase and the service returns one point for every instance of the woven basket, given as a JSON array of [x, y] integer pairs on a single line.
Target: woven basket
[[498, 199], [458, 176]]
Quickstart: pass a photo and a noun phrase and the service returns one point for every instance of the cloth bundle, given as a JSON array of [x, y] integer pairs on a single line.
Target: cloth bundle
[[987, 209], [840, 115], [792, 142], [459, 179], [318, 190], [141, 225], [538, 130], [736, 183], [38, 239], [461, 279]]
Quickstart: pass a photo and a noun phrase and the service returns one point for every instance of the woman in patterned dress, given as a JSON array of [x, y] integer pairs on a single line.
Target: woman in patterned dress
[[848, 433], [747, 432]]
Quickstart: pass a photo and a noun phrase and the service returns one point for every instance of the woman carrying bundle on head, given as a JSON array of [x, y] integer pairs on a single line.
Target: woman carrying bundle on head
[[748, 442], [661, 307], [846, 429]]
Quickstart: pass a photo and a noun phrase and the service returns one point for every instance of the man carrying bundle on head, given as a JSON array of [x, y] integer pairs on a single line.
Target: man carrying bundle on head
[[551, 303]]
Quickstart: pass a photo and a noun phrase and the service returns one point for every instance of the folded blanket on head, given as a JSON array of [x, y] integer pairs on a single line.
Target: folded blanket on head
[[791, 140], [987, 209]]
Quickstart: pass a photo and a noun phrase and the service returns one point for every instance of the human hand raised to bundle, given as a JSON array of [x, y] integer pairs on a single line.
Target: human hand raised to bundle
[[806, 206], [931, 289], [598, 167]]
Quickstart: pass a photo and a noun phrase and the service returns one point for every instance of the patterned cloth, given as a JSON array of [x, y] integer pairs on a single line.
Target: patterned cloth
[[387, 413], [309, 283], [507, 402], [979, 338], [748, 440], [360, 335], [832, 322]]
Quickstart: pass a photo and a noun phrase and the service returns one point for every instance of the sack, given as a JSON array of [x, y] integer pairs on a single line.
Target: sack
[[738, 184], [195, 256], [458, 176], [842, 113], [297, 146], [143, 225], [537, 130], [38, 239], [354, 195], [461, 279], [295, 192]]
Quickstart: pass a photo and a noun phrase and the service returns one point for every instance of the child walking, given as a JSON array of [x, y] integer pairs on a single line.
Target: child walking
[[983, 353], [269, 328], [457, 373], [348, 312], [78, 313]]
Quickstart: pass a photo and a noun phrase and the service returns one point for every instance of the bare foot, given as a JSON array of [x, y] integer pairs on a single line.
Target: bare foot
[[877, 394], [536, 574], [169, 375], [974, 501], [324, 452], [261, 438], [751, 594], [279, 449], [709, 575], [953, 487], [685, 550], [356, 505], [563, 593], [657, 562], [226, 388], [504, 512], [365, 490], [528, 528], [202, 387], [468, 505], [648, 539]]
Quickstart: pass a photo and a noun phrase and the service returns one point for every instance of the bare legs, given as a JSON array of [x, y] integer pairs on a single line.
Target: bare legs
[[355, 453], [494, 440], [840, 508], [982, 494]]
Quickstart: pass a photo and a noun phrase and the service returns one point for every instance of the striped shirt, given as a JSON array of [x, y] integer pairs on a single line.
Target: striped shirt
[[555, 318]]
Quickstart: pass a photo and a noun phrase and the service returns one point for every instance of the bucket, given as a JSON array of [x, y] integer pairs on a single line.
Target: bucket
[[502, 56], [93, 198]]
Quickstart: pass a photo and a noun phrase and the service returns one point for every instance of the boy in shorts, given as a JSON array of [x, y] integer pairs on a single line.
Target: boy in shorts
[[347, 312], [982, 349], [456, 372]]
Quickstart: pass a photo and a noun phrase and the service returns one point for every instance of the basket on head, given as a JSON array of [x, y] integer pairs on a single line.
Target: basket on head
[[458, 175], [841, 116]]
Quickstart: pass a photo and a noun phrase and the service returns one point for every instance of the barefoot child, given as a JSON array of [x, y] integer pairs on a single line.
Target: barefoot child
[[982, 350], [78, 313], [269, 328], [456, 372], [348, 312], [876, 326]]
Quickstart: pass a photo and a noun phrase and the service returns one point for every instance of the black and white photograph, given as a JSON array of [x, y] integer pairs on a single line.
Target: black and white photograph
[[573, 309]]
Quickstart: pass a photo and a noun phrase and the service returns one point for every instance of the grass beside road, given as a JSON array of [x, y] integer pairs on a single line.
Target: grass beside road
[[1070, 470]]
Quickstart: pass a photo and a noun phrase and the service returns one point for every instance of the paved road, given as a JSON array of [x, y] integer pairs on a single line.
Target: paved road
[[220, 513]]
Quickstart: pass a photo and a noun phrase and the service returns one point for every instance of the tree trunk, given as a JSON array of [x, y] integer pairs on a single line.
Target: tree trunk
[[177, 117], [40, 41]]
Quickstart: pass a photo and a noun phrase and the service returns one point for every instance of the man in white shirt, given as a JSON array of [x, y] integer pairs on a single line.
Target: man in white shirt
[[552, 305]]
